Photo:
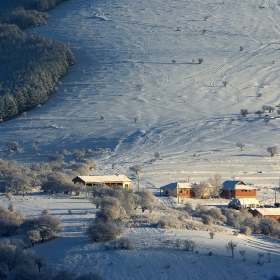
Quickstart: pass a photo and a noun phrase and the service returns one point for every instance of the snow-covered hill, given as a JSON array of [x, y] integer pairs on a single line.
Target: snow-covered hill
[[124, 51]]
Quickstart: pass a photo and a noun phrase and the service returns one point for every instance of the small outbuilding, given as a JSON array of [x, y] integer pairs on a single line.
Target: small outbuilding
[[272, 213], [108, 180], [237, 189], [177, 189]]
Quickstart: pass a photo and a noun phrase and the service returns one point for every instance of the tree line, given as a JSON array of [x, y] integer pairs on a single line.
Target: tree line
[[26, 13], [31, 66]]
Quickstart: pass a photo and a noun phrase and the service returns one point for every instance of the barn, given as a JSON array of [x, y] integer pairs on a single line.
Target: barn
[[272, 213], [108, 180], [237, 189]]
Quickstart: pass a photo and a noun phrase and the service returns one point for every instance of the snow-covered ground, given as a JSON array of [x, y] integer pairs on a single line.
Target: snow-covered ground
[[153, 255], [184, 111], [124, 51]]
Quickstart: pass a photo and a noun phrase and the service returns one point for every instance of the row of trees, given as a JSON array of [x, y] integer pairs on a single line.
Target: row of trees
[[54, 176]]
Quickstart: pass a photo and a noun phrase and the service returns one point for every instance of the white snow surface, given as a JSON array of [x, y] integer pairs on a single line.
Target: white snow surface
[[124, 51]]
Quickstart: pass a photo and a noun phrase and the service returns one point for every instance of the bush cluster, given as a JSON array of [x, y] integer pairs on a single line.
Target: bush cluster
[[41, 228], [114, 206]]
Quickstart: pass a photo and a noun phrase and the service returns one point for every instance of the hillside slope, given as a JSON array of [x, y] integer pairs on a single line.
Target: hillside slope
[[124, 52]]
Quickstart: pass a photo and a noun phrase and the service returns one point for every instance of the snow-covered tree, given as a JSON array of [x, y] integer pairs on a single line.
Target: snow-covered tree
[[137, 168]]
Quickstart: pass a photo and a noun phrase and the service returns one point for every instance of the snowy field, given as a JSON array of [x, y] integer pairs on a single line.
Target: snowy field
[[124, 51], [184, 111], [153, 256]]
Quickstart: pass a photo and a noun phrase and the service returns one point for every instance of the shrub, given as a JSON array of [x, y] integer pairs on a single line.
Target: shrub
[[13, 146], [269, 226], [157, 155], [259, 113], [189, 245], [9, 195], [216, 214], [206, 219], [56, 157], [212, 234], [78, 154], [11, 207], [45, 212], [201, 209], [200, 60], [246, 230], [168, 222], [188, 207], [104, 231], [244, 112], [125, 244], [48, 226], [272, 150]]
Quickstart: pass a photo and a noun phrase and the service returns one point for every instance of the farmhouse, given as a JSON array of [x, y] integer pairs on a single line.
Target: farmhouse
[[109, 180], [237, 189], [177, 189], [272, 213]]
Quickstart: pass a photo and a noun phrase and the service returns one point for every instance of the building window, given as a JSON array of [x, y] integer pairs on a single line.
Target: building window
[[180, 191], [187, 191], [166, 192], [126, 185]]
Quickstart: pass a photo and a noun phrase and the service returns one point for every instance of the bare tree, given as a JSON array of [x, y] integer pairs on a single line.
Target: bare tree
[[259, 113], [242, 253], [244, 112], [231, 247], [240, 145], [157, 155], [201, 190], [137, 168], [272, 150], [215, 182]]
